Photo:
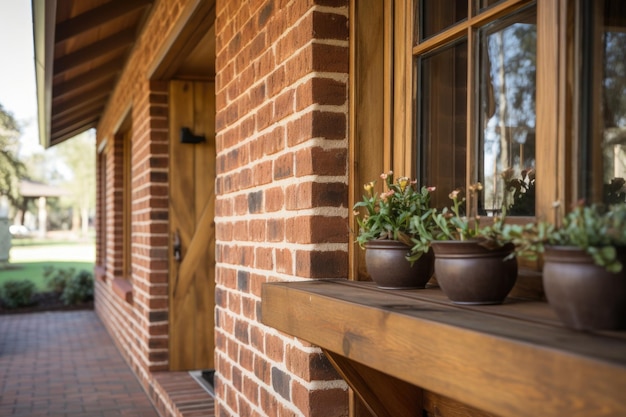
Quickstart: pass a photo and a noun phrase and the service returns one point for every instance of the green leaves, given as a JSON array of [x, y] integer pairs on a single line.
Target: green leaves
[[597, 231], [388, 215]]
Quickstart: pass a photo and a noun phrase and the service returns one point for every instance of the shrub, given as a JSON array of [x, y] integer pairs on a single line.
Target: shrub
[[17, 293], [56, 279], [78, 288]]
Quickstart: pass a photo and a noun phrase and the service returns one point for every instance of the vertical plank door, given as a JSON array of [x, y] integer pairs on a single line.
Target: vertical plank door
[[192, 227]]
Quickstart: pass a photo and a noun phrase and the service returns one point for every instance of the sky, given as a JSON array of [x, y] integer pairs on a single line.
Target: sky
[[17, 70]]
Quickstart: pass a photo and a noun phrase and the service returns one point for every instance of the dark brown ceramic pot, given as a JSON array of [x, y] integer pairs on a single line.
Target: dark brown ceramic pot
[[469, 273], [583, 295], [388, 267]]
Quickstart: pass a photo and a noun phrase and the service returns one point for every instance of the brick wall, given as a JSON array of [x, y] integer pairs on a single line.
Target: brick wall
[[139, 329], [281, 203], [281, 209]]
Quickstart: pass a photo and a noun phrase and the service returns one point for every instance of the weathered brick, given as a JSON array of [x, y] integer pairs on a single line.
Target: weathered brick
[[277, 62]]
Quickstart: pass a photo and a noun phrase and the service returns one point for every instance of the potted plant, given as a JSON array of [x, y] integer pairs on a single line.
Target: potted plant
[[384, 221], [584, 277], [474, 263]]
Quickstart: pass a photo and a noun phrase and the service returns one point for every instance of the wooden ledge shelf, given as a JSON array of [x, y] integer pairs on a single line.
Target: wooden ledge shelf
[[514, 359], [123, 289]]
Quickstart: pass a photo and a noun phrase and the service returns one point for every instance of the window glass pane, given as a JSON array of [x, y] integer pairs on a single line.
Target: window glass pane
[[442, 119], [433, 16], [507, 114], [613, 107], [483, 4]]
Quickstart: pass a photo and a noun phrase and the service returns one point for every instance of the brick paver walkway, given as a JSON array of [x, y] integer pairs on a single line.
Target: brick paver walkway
[[65, 364]]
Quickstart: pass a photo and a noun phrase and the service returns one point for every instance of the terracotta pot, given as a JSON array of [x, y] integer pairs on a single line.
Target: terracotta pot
[[583, 295], [386, 264], [472, 274]]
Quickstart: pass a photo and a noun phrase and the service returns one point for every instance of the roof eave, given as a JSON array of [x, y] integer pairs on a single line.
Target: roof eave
[[44, 16]]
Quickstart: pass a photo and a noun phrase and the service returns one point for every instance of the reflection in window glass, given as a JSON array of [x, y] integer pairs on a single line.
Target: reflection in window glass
[[437, 15], [507, 116], [483, 4], [442, 104], [614, 103]]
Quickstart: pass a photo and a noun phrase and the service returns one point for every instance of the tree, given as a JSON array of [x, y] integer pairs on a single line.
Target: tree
[[79, 154], [11, 169]]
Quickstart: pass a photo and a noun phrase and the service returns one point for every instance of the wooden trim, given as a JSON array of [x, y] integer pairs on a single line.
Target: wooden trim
[[193, 24], [549, 136], [597, 123], [368, 115], [401, 143], [473, 100], [388, 65], [457, 31], [353, 176], [382, 394], [511, 360], [127, 205], [569, 118]]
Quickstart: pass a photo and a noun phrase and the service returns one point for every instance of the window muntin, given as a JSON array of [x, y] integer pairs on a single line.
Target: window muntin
[[436, 16], [484, 4]]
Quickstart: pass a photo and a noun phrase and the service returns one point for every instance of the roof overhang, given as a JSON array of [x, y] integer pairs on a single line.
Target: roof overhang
[[81, 48]]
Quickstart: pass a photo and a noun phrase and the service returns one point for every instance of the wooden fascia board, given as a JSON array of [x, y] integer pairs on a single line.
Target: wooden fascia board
[[97, 17], [44, 17]]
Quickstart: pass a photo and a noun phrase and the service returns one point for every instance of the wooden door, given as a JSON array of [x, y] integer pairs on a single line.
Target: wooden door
[[191, 226]]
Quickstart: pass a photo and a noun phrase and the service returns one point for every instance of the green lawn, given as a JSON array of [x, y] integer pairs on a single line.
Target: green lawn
[[34, 271], [29, 258]]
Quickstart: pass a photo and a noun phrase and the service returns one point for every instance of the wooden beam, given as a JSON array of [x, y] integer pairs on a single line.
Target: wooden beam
[[101, 89], [510, 360], [96, 17], [76, 127], [71, 121], [84, 101], [60, 137], [80, 114], [93, 77], [97, 49], [384, 395]]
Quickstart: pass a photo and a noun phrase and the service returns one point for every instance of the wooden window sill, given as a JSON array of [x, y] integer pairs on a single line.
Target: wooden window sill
[[100, 273], [123, 289], [514, 359]]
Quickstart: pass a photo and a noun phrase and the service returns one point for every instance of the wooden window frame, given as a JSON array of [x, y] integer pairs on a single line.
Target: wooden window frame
[[127, 209], [101, 208], [381, 131]]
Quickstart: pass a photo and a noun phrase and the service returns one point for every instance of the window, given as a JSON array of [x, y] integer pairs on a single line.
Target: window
[[122, 203], [127, 206], [101, 255], [475, 90], [523, 96], [602, 154]]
